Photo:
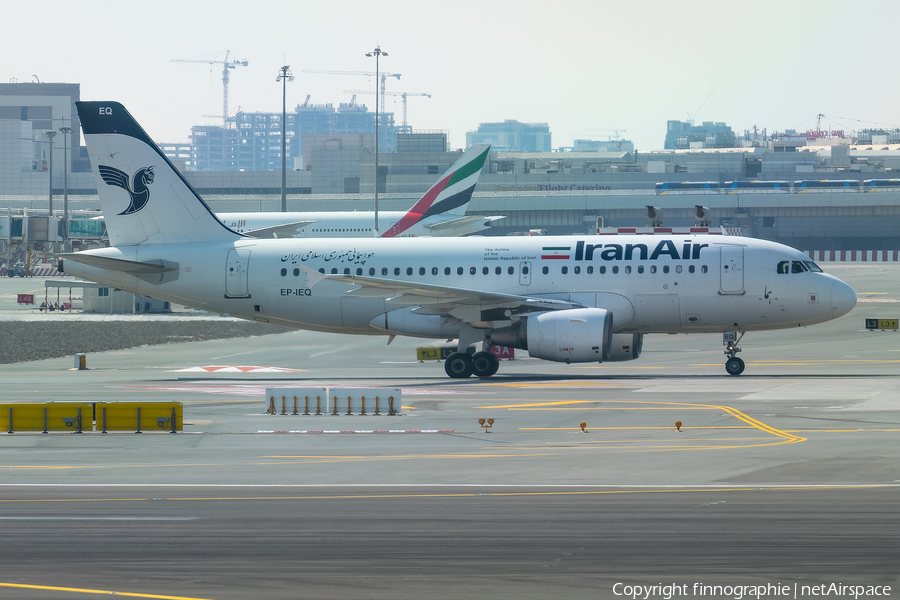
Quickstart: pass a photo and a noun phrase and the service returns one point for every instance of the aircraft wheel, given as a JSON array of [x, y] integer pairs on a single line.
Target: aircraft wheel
[[485, 364], [459, 365], [734, 366]]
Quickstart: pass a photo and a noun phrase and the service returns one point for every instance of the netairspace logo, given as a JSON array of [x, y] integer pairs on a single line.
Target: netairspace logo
[[739, 592]]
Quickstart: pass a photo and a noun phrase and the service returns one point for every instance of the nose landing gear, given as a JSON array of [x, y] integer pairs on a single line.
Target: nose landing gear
[[734, 365]]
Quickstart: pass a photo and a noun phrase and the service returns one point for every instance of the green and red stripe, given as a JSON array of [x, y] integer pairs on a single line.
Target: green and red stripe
[[556, 252]]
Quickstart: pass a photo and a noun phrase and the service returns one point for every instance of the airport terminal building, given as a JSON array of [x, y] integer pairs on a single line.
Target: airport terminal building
[[819, 192]]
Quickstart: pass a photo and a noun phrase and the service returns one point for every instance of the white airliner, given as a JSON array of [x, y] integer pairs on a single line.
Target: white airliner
[[440, 212], [565, 299]]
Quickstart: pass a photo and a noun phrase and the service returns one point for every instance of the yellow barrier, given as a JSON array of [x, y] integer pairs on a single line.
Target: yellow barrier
[[46, 416], [80, 416], [154, 416]]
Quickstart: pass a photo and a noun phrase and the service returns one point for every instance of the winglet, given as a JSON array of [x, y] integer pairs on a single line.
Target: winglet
[[312, 276]]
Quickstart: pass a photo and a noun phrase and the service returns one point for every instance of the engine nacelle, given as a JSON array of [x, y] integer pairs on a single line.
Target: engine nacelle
[[574, 335], [626, 346]]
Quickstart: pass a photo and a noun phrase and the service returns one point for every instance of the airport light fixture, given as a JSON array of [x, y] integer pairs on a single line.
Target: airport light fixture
[[51, 134], [377, 53], [65, 131], [284, 76]]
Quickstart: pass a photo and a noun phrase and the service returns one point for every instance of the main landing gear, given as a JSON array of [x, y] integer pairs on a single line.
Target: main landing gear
[[461, 365], [734, 365]]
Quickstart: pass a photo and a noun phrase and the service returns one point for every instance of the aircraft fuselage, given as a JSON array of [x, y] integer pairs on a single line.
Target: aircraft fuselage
[[652, 284]]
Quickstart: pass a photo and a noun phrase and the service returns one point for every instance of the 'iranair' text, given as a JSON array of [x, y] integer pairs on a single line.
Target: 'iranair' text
[[584, 251]]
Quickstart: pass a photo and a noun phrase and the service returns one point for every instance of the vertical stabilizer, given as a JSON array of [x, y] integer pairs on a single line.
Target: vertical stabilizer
[[451, 194], [145, 200]]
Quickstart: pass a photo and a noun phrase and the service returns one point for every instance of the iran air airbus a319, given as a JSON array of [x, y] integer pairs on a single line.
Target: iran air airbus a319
[[569, 299], [440, 212]]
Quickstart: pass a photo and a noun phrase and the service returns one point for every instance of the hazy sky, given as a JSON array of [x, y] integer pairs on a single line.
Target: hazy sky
[[584, 67]]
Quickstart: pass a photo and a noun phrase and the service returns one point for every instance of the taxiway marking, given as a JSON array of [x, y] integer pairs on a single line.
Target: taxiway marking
[[73, 590]]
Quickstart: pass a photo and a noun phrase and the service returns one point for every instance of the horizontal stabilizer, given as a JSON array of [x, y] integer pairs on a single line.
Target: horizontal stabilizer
[[117, 264], [284, 230], [461, 222]]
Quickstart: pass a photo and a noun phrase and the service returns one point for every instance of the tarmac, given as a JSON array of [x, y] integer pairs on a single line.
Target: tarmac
[[788, 474]]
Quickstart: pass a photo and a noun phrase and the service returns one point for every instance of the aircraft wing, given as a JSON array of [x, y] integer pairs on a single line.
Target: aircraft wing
[[447, 227], [440, 298], [284, 230], [117, 264]]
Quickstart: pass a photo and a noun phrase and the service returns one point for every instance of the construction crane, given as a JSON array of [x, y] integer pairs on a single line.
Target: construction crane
[[226, 65], [691, 118], [402, 95], [615, 135], [383, 74]]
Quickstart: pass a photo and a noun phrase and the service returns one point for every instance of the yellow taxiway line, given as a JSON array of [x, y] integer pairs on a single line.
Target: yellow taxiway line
[[53, 588]]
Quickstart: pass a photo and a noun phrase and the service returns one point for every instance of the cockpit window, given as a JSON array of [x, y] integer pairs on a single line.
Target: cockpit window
[[812, 266], [797, 266], [784, 267]]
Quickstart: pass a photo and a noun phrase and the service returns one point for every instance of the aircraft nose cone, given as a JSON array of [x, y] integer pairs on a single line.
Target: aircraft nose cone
[[843, 299]]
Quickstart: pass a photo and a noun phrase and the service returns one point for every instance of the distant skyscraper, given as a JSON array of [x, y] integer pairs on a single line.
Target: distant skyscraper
[[683, 135], [253, 143], [512, 136]]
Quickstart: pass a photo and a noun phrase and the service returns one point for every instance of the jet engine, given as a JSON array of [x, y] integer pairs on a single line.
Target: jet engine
[[574, 335], [626, 346]]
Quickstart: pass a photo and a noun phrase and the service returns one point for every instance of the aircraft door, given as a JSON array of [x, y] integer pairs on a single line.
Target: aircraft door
[[525, 272], [236, 273], [731, 270]]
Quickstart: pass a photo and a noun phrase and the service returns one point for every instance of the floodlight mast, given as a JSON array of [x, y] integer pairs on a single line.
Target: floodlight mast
[[284, 76], [377, 53]]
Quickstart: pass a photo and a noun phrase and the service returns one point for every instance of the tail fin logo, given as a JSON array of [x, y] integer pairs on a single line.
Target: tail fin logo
[[140, 195]]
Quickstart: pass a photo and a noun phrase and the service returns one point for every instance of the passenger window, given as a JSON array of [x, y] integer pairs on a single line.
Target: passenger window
[[640, 268], [783, 267], [459, 270], [485, 270], [359, 271], [283, 272], [322, 271], [565, 270], [421, 270], [511, 270], [577, 270], [678, 268], [409, 270], [525, 270], [396, 270], [653, 268], [296, 272], [498, 270], [384, 271], [691, 269], [346, 271], [628, 268], [704, 269], [334, 271], [615, 270], [434, 270], [602, 270], [371, 271], [665, 268], [446, 271], [797, 266], [472, 270], [590, 270], [545, 270]]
